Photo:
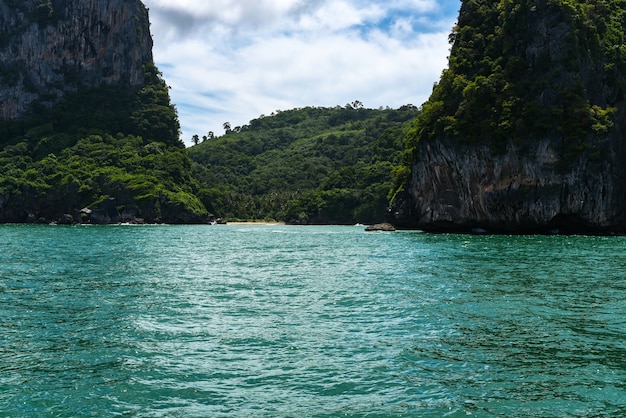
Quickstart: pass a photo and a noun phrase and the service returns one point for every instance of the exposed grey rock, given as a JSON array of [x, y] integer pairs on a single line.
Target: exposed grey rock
[[459, 187], [386, 227]]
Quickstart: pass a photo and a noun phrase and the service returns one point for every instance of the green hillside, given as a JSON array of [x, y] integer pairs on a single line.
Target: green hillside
[[100, 143], [522, 70], [309, 165]]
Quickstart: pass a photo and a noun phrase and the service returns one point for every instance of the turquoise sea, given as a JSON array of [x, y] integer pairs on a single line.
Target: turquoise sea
[[286, 321]]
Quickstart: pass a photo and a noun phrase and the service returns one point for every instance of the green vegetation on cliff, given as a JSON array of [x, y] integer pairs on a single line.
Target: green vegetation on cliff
[[310, 165], [525, 69], [99, 143]]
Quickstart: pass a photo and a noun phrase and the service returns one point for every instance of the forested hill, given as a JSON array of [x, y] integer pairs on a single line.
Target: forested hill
[[310, 165]]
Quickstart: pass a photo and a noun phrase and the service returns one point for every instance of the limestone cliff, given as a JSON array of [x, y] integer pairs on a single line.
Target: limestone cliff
[[525, 131], [51, 47]]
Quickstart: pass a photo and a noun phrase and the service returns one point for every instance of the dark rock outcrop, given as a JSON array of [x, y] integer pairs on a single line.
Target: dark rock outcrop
[[107, 213], [66, 219], [384, 227], [22, 209], [132, 214], [50, 48]]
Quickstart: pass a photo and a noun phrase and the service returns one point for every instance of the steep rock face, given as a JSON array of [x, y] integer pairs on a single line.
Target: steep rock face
[[531, 142], [49, 48], [465, 188]]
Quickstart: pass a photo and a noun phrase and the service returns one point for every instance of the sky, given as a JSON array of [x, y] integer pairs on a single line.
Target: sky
[[235, 60]]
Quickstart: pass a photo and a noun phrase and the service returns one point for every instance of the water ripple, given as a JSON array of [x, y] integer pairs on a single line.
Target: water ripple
[[167, 321]]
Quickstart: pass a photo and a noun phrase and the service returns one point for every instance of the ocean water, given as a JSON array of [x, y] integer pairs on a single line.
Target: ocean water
[[285, 321]]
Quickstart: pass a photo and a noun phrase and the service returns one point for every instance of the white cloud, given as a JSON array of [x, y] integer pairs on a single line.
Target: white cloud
[[230, 60], [338, 15]]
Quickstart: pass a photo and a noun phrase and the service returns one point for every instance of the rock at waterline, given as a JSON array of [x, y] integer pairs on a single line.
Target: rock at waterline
[[386, 227]]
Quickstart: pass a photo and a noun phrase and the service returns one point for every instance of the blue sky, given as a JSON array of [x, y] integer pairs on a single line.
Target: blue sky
[[234, 60]]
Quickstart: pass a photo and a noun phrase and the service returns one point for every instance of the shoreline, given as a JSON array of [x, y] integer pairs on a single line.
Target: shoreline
[[256, 223]]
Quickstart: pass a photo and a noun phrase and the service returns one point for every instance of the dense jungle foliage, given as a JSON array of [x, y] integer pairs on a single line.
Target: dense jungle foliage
[[99, 143], [526, 69], [309, 165]]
